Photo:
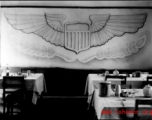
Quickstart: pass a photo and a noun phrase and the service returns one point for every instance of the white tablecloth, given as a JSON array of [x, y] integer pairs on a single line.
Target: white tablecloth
[[113, 103], [34, 82], [92, 79]]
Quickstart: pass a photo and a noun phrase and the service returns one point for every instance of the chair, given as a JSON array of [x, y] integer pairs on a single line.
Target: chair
[[149, 78], [123, 82], [123, 78], [126, 86], [145, 101], [24, 70], [13, 92], [91, 110], [116, 77]]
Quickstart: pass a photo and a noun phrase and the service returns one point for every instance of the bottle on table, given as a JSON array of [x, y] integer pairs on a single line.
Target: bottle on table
[[106, 72], [116, 72], [117, 90], [7, 71]]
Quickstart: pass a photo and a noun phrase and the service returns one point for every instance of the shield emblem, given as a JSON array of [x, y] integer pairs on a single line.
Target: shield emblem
[[77, 36]]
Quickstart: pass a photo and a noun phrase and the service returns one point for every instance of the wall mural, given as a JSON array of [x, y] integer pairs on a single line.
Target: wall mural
[[78, 38]]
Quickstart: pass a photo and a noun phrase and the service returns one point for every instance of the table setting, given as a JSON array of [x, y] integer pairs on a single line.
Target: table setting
[[124, 101], [93, 80], [33, 82]]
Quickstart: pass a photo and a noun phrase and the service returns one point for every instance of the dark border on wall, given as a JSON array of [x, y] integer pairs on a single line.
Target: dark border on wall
[[82, 7], [135, 6]]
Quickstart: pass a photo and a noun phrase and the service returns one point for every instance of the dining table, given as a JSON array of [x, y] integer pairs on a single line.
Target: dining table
[[93, 80], [35, 82], [113, 107]]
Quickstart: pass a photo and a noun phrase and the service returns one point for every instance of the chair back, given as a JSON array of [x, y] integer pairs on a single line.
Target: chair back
[[145, 101], [24, 70], [13, 82], [13, 91], [126, 86], [123, 78], [149, 78]]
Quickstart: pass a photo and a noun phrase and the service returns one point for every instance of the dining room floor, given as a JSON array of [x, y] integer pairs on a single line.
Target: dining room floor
[[57, 108], [64, 107], [30, 111]]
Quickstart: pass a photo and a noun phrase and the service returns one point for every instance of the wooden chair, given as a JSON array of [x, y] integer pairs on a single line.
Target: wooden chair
[[123, 78], [13, 92], [126, 86], [145, 101], [91, 109], [24, 70], [123, 82], [148, 78]]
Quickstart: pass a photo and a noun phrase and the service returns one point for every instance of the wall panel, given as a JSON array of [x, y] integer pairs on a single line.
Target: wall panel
[[77, 38]]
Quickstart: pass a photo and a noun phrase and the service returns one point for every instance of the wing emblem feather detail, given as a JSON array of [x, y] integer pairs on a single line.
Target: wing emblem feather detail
[[47, 26], [105, 27], [73, 36]]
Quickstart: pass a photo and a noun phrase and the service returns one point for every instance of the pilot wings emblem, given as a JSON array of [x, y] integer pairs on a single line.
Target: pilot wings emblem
[[77, 36]]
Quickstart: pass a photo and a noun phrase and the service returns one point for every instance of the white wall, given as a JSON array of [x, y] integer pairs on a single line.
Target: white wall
[[12, 54]]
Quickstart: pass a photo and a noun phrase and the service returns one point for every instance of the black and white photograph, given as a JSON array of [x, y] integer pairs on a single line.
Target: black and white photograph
[[76, 60]]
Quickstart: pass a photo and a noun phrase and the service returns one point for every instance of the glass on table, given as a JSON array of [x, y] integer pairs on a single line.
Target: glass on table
[[28, 72], [130, 75]]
